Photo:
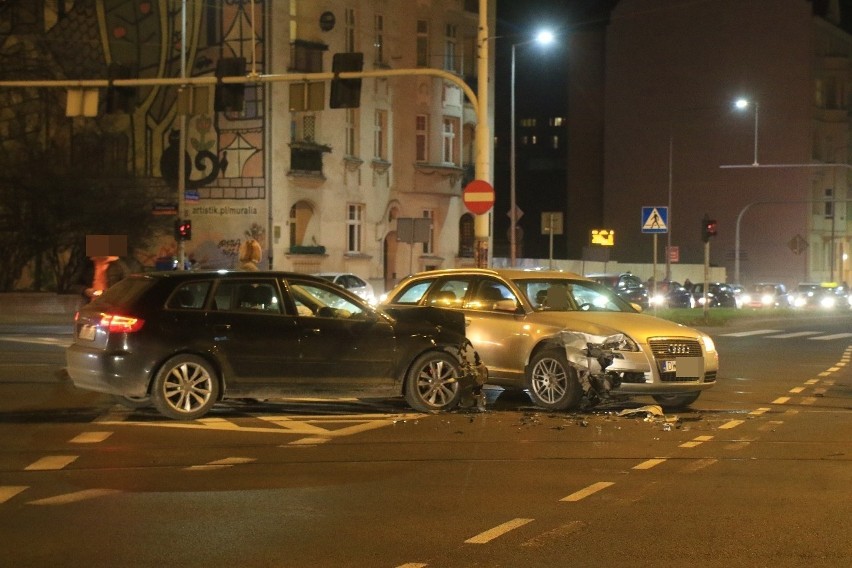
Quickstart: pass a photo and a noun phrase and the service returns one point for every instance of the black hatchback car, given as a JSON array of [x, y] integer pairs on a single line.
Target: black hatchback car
[[184, 340]]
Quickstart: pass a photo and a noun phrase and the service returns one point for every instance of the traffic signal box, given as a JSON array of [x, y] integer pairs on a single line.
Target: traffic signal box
[[708, 228], [230, 96], [346, 93], [183, 230]]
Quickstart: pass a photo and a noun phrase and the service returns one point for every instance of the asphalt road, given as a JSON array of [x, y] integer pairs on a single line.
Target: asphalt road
[[757, 473]]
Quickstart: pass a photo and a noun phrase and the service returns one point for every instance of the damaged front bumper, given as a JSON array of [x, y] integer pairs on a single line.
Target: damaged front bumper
[[615, 364]]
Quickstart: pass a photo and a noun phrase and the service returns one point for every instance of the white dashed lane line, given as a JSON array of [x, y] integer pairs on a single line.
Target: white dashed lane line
[[51, 463], [590, 490], [499, 530]]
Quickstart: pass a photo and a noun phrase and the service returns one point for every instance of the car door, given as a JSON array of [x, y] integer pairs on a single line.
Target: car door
[[254, 336], [494, 327], [343, 343]]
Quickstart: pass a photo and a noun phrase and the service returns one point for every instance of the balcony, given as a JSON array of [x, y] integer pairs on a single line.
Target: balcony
[[306, 158]]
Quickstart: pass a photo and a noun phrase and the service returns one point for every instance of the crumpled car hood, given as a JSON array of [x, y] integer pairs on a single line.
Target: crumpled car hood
[[638, 326]]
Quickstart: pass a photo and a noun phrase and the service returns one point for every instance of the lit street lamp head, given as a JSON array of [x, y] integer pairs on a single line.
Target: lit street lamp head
[[545, 37]]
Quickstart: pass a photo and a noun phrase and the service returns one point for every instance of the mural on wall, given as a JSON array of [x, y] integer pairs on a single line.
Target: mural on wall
[[144, 39]]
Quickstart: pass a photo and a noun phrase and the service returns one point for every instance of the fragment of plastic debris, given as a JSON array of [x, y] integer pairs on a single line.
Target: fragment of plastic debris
[[647, 411]]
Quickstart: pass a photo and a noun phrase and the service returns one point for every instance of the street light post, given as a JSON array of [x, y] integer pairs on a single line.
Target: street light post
[[743, 104], [544, 38]]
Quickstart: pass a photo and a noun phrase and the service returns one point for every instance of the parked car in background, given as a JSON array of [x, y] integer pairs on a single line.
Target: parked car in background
[[353, 283], [565, 338], [825, 296], [766, 295], [672, 295], [181, 341], [719, 295], [627, 285]]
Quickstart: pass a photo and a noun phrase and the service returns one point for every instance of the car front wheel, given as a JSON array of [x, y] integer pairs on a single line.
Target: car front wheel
[[676, 401], [553, 383], [186, 388], [432, 383]]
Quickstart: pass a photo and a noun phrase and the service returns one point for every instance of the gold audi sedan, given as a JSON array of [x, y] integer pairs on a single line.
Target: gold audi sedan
[[565, 338]]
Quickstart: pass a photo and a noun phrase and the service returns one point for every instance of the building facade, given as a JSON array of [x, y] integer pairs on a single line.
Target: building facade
[[775, 177], [321, 188]]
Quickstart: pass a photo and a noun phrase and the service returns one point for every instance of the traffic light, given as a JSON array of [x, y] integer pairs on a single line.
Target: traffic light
[[346, 93], [119, 99], [230, 96], [708, 228], [183, 230]]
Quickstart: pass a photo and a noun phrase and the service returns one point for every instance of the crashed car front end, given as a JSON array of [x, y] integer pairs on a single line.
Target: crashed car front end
[[616, 364]]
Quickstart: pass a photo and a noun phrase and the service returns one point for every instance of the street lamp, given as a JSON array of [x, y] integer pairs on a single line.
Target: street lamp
[[743, 104], [544, 37]]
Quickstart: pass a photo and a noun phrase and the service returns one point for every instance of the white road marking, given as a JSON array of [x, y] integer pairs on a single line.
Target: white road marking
[[590, 490], [781, 400], [220, 464], [75, 497], [499, 530], [51, 463], [731, 424], [9, 491], [90, 437], [794, 334], [748, 333], [830, 337], [648, 464]]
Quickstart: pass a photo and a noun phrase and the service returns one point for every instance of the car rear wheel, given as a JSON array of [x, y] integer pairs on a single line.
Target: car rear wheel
[[676, 401], [432, 383], [553, 383], [186, 388]]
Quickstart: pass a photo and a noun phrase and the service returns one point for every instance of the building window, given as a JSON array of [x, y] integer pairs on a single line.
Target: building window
[[294, 29], [306, 56], [421, 138], [379, 39], [450, 42], [829, 203], [467, 236], [556, 121], [528, 122], [349, 31], [351, 132], [429, 244], [422, 43], [355, 213], [554, 141], [380, 149], [300, 217], [450, 141]]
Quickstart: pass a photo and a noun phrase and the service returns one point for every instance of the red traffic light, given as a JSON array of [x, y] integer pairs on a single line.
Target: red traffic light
[[183, 230], [708, 228]]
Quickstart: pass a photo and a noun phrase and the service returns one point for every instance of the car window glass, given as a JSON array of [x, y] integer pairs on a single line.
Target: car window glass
[[491, 295], [247, 296], [313, 300], [353, 281], [189, 296], [449, 293], [596, 298], [413, 293]]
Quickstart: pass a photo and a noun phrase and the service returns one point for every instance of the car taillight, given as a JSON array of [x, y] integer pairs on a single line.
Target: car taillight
[[115, 323]]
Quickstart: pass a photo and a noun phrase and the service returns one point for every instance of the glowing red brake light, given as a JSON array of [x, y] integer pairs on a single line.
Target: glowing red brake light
[[120, 324]]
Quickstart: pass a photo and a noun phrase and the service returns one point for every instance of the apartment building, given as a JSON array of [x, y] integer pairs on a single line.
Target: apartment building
[[321, 188], [672, 134]]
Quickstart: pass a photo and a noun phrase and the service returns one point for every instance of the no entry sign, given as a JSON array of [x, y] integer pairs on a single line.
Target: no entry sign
[[478, 197]]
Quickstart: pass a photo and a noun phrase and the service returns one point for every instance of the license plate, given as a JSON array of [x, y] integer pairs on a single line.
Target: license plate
[[87, 332], [669, 366]]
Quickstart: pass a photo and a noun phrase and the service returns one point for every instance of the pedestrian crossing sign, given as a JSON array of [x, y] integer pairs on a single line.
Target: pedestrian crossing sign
[[655, 219]]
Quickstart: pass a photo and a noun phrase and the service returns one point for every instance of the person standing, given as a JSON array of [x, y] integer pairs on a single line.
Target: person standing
[[250, 254]]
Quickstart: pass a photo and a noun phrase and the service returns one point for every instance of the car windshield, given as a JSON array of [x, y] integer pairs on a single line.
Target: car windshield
[[562, 295]]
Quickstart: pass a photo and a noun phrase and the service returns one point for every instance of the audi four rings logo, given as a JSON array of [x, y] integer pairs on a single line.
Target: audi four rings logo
[[678, 349]]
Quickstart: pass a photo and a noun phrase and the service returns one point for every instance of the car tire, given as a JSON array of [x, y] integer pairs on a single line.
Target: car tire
[[432, 384], [552, 382], [132, 402], [676, 401], [185, 388]]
